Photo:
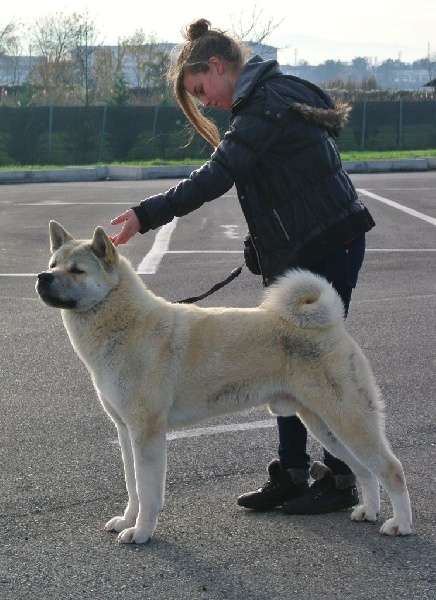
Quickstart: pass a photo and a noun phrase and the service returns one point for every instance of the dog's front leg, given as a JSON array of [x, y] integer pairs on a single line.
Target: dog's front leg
[[149, 452], [121, 522]]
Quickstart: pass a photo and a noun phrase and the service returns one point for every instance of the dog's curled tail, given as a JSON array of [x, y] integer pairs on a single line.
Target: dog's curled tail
[[305, 299]]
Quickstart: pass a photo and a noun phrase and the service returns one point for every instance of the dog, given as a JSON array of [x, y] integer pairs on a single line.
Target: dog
[[158, 366]]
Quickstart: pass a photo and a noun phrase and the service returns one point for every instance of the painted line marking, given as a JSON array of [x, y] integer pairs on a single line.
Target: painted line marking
[[409, 211], [247, 426], [60, 203], [400, 250], [193, 433], [205, 252], [151, 261], [236, 252], [231, 231]]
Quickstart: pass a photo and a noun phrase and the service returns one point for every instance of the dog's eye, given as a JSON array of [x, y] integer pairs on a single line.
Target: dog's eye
[[76, 271]]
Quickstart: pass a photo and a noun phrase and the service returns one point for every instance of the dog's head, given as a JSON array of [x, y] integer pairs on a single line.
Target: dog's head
[[81, 273]]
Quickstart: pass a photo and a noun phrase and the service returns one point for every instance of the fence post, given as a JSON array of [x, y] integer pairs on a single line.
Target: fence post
[[362, 145], [103, 125], [434, 124], [153, 133], [50, 128], [400, 127]]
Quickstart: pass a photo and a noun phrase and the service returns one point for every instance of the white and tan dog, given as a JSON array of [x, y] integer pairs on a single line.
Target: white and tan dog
[[157, 366]]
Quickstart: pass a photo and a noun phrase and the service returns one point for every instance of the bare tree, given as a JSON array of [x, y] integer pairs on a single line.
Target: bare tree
[[8, 36], [105, 66], [147, 60], [83, 55], [254, 28], [56, 40], [9, 53], [108, 71], [155, 82], [431, 67], [137, 51]]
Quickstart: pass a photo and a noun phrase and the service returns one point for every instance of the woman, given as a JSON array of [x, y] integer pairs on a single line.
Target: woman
[[300, 206]]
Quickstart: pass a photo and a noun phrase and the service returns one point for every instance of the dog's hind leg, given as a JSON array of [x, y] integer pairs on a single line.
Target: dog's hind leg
[[369, 509], [378, 457], [390, 473], [365, 446]]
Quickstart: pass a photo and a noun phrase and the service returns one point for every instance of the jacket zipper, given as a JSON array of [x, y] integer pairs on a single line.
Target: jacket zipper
[[280, 222], [334, 148]]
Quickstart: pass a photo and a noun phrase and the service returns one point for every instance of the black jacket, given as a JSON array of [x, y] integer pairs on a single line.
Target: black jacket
[[280, 154]]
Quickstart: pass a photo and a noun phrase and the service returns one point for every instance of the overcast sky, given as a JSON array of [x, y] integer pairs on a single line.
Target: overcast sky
[[314, 31]]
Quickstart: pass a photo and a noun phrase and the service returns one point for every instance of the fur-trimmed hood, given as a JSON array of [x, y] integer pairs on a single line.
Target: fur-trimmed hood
[[333, 119], [289, 92]]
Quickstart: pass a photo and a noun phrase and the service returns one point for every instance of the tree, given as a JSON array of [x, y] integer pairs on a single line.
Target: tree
[[120, 94], [254, 28], [430, 65], [331, 69], [360, 67], [137, 53], [369, 84], [147, 59], [8, 37], [106, 67], [86, 36], [10, 51], [158, 61], [62, 65], [117, 90]]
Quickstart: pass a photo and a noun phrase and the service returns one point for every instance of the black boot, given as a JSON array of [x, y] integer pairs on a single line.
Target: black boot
[[327, 494], [281, 486]]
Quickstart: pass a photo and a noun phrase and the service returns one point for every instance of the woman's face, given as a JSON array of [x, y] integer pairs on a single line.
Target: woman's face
[[213, 88]]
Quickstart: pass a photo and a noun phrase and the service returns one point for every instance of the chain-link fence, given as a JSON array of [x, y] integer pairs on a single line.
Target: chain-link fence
[[107, 134]]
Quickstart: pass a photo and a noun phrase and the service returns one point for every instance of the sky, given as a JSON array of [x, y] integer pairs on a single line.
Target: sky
[[313, 31]]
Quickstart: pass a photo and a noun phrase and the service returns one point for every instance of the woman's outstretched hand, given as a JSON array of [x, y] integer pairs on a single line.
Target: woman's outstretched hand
[[130, 228]]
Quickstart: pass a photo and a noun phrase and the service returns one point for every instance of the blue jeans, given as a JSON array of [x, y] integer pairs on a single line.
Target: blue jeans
[[341, 268]]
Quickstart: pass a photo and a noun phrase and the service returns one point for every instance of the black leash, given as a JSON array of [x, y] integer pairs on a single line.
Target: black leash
[[235, 273]]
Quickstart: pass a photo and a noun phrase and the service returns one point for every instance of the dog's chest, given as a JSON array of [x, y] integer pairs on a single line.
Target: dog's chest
[[111, 391]]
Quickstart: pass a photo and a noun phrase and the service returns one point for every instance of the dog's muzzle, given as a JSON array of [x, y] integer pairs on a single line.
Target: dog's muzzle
[[43, 289]]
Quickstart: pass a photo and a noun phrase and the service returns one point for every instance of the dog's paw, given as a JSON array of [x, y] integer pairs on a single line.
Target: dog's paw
[[364, 513], [119, 523], [396, 527], [134, 535]]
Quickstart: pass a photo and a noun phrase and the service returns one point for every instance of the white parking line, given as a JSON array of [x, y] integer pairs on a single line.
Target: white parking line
[[63, 203], [226, 252], [246, 426], [409, 211], [151, 261], [205, 252], [191, 433]]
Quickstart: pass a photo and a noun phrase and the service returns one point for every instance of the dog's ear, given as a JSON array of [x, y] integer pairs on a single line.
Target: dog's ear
[[58, 236], [103, 247]]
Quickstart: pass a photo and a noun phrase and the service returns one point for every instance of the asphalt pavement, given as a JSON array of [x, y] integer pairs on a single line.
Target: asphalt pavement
[[61, 470]]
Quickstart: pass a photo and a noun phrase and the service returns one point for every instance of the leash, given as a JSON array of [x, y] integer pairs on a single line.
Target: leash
[[235, 273]]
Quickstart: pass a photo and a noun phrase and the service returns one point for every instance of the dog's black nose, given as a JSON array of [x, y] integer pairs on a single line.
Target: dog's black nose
[[45, 277]]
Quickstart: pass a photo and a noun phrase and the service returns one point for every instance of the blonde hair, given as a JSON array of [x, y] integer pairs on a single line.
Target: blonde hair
[[202, 42]]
